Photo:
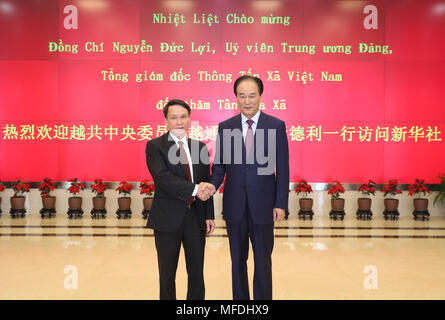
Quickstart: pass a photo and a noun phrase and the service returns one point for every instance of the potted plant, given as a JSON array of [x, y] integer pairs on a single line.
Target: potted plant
[[420, 204], [48, 201], [99, 200], [337, 203], [367, 190], [305, 188], [148, 189], [2, 188], [124, 202], [440, 189], [305, 202], [75, 203], [390, 190], [18, 201]]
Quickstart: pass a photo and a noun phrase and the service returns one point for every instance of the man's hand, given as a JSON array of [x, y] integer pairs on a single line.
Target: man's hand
[[210, 226], [278, 214], [205, 191]]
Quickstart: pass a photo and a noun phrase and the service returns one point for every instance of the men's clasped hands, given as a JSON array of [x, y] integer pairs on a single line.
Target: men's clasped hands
[[205, 191]]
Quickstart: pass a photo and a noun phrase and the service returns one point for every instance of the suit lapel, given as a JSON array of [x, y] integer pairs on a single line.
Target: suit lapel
[[170, 143], [262, 121], [262, 125], [195, 159], [237, 124]]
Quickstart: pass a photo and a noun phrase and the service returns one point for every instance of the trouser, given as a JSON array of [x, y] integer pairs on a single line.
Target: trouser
[[262, 239], [168, 245]]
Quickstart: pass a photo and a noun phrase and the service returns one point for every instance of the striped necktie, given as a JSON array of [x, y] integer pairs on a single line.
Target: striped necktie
[[249, 137]]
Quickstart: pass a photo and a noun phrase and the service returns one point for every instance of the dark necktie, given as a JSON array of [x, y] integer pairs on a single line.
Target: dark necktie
[[187, 166], [249, 137]]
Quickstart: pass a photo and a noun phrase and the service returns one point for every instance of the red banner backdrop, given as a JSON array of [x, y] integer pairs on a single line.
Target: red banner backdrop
[[358, 83]]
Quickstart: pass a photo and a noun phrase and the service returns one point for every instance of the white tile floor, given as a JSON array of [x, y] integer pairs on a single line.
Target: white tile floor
[[320, 259]]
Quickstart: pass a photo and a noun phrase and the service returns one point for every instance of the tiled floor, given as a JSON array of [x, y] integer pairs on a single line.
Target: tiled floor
[[320, 259]]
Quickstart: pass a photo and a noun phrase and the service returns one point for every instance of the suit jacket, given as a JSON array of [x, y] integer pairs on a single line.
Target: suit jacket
[[246, 181], [172, 188]]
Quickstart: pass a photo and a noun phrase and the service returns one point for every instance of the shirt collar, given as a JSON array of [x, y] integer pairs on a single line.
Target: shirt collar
[[254, 118], [176, 139]]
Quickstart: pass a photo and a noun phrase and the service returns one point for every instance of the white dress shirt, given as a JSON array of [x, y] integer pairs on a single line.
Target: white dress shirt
[[245, 125], [189, 158]]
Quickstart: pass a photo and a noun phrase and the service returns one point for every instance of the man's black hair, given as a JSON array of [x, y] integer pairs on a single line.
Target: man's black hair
[[179, 102], [247, 77]]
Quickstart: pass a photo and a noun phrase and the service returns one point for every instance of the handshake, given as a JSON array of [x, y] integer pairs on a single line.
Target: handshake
[[205, 191]]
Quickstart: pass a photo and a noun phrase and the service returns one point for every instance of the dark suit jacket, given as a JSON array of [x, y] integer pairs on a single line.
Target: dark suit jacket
[[244, 183], [172, 188]]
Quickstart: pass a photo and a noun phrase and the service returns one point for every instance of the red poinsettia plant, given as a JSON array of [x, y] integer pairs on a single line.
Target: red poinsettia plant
[[391, 188], [303, 187], [124, 188], [368, 189], [2, 187], [418, 187], [46, 187], [336, 190], [76, 186], [147, 188], [99, 187], [20, 187]]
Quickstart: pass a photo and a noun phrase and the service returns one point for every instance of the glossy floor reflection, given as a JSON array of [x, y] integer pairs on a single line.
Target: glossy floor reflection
[[319, 259]]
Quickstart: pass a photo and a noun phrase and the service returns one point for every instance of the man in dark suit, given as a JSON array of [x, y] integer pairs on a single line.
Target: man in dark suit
[[252, 154], [182, 210]]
